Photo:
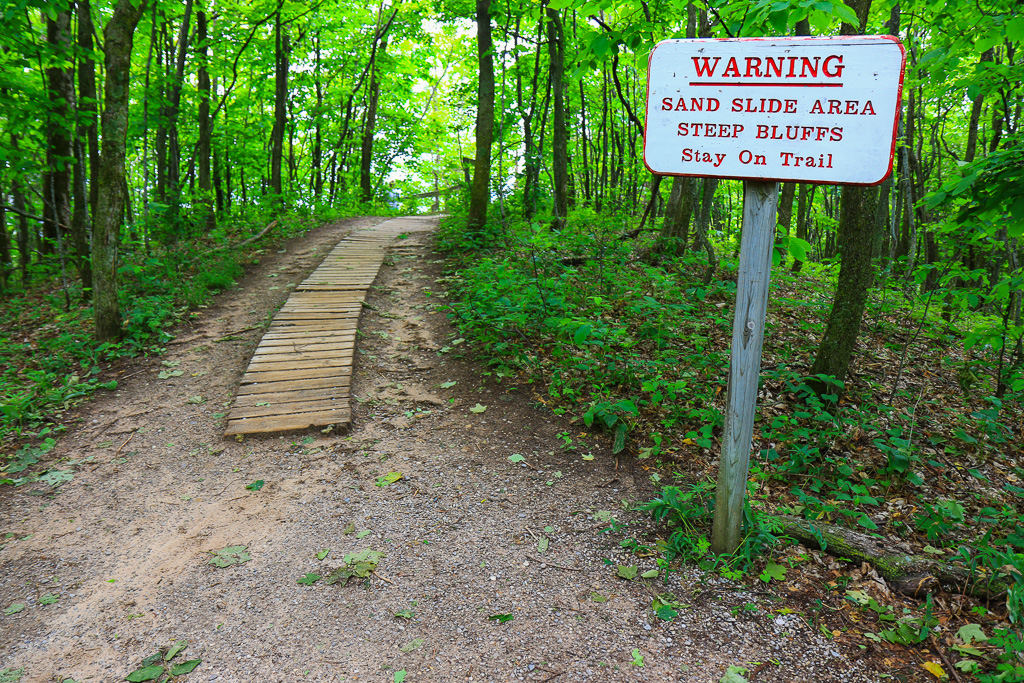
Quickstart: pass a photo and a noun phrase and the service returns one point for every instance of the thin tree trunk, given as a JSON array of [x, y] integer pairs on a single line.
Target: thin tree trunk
[[856, 272], [173, 142], [703, 225], [117, 39], [18, 200], [61, 87], [678, 211], [87, 96], [5, 248], [203, 153], [280, 105], [369, 128], [559, 141], [481, 189], [317, 176]]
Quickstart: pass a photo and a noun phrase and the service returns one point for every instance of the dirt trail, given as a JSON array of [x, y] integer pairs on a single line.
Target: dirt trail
[[126, 544]]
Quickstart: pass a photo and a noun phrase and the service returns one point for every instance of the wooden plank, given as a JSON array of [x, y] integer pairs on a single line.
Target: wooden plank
[[289, 408], [267, 425], [305, 343], [308, 384], [307, 373], [297, 395], [325, 365], [307, 328], [299, 340], [286, 355]]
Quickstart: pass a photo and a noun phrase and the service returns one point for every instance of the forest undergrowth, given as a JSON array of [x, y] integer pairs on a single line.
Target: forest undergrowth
[[620, 336]]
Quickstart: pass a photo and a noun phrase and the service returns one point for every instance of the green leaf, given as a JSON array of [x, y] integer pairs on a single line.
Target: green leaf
[[175, 649], [773, 571], [1015, 29], [448, 385], [414, 644], [542, 545], [597, 597], [734, 674], [166, 374], [847, 16], [308, 579], [185, 667], [638, 659], [404, 614], [232, 555], [196, 400], [478, 408], [515, 457], [389, 478], [666, 613], [255, 486], [626, 571], [363, 534], [147, 673], [650, 574], [970, 633], [501, 618], [15, 608], [49, 599], [326, 551], [399, 676], [582, 332]]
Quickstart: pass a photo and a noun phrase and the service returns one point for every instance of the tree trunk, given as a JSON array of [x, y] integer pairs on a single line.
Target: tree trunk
[[559, 135], [856, 271], [785, 212], [280, 105], [856, 274], [703, 224], [87, 96], [5, 248], [61, 87], [317, 176], [117, 38], [369, 128], [481, 190], [203, 150], [215, 170], [678, 211], [18, 200], [173, 144]]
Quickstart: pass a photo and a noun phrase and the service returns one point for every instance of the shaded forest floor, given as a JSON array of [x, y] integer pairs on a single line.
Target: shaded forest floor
[[504, 555]]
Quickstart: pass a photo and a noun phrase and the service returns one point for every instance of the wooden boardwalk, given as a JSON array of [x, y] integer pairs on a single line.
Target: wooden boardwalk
[[300, 373]]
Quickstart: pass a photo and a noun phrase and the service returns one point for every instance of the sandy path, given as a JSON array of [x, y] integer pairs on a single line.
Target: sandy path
[[126, 544]]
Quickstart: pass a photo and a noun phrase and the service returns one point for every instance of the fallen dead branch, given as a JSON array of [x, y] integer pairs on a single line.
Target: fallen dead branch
[[913, 575]]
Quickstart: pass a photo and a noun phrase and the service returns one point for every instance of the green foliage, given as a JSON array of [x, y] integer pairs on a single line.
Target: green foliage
[[688, 513]]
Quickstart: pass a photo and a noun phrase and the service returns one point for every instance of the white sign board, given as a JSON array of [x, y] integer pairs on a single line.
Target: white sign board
[[821, 110]]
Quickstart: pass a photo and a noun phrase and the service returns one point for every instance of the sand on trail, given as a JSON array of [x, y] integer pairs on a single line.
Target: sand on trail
[[468, 537]]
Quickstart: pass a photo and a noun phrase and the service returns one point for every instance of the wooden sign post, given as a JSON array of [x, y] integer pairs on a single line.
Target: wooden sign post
[[820, 110]]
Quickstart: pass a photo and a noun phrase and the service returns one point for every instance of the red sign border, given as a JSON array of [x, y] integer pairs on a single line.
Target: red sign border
[[895, 125]]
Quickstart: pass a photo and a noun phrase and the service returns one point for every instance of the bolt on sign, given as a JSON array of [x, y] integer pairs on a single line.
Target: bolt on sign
[[820, 110]]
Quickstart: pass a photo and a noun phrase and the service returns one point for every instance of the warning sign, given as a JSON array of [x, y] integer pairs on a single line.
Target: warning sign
[[820, 110]]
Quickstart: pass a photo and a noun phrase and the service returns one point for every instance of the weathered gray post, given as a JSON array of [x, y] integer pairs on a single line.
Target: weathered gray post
[[818, 110], [760, 200]]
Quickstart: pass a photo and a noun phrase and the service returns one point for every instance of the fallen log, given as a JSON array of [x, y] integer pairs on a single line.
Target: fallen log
[[913, 575]]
